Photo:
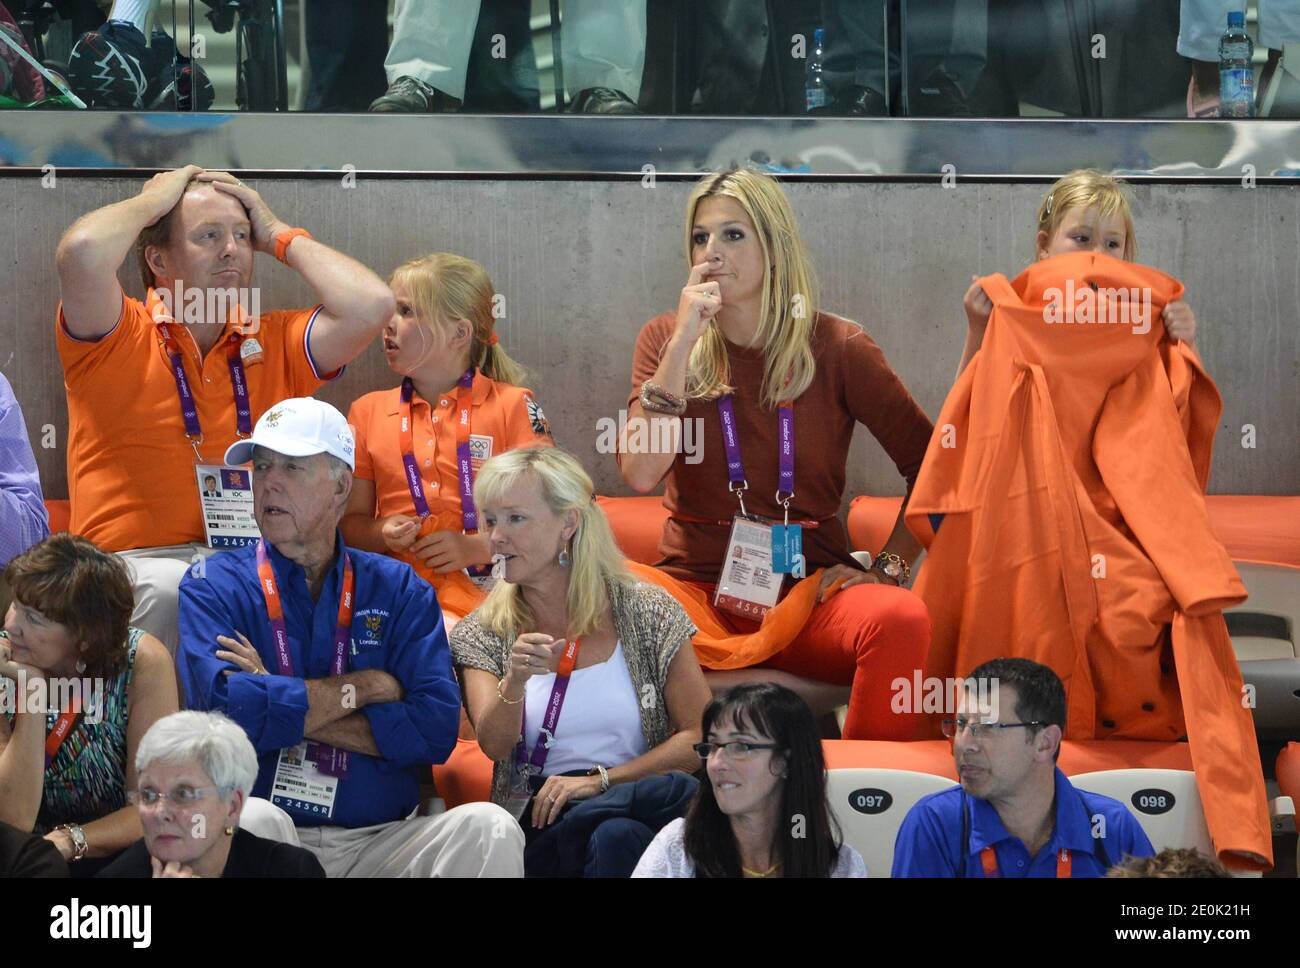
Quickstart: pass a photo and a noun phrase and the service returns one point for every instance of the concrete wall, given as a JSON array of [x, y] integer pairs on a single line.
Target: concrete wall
[[584, 263]]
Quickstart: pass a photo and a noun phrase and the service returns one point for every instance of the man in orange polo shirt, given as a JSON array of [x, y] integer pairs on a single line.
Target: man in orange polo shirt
[[158, 388]]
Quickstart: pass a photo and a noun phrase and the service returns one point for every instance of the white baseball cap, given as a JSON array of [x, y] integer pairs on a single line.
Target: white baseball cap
[[299, 427]]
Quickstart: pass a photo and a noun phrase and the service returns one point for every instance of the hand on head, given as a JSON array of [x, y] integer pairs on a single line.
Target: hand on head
[[266, 226], [165, 189]]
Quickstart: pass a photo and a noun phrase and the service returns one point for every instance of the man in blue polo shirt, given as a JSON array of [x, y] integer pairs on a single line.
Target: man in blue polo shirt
[[335, 662], [1014, 813]]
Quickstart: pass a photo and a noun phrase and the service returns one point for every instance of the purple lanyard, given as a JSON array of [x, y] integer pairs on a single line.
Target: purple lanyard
[[736, 467], [238, 381], [243, 409], [189, 410], [330, 760], [414, 483], [464, 466], [546, 736], [465, 406]]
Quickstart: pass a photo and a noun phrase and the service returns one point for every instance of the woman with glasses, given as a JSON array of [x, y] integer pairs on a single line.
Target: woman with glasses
[[84, 687], [580, 681], [195, 772], [763, 811]]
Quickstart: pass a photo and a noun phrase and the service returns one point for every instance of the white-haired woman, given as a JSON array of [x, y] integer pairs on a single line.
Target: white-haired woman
[[579, 680], [195, 770]]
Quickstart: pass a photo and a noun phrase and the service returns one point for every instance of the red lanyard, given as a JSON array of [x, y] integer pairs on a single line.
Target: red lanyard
[[189, 409], [464, 468], [331, 761], [989, 861], [62, 730]]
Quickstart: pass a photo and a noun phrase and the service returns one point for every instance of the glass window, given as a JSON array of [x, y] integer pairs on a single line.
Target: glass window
[[839, 58]]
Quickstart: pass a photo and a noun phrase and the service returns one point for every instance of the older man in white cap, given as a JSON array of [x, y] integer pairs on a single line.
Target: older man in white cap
[[335, 662]]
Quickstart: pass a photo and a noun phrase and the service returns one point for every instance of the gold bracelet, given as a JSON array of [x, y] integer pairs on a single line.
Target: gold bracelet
[[502, 696], [893, 566]]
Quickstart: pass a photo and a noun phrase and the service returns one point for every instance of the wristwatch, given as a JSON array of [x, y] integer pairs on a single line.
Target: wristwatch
[[893, 566], [79, 844], [604, 777]]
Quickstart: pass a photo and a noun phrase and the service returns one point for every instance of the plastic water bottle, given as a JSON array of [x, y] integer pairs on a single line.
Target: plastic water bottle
[[814, 83], [1236, 76]]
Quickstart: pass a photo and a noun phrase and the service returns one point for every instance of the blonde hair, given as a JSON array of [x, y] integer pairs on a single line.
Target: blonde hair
[[443, 288], [1087, 188], [595, 558], [789, 297]]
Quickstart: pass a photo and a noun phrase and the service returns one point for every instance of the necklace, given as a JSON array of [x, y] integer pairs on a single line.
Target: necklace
[[766, 873]]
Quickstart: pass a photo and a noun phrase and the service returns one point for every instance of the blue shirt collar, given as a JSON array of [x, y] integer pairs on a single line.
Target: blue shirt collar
[[1073, 826], [291, 575]]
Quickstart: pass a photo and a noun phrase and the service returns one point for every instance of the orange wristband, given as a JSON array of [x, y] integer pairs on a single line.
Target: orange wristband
[[284, 238]]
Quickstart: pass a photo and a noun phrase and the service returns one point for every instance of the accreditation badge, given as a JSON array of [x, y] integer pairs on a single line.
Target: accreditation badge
[[748, 585], [520, 791], [226, 497], [299, 786], [482, 577]]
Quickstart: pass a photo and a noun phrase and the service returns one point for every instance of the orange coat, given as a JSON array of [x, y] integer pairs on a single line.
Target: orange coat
[[1062, 504]]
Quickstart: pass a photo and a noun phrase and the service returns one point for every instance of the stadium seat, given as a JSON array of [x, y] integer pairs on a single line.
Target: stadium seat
[[466, 776], [1262, 535], [1263, 631], [870, 805], [637, 523], [1255, 528], [1165, 802], [1287, 771], [935, 756], [60, 513], [870, 521]]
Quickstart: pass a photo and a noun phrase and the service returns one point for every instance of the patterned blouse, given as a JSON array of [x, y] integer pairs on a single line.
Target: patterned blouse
[[649, 623], [87, 778]]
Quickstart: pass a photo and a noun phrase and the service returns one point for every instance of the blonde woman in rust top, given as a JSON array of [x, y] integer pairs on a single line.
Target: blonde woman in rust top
[[748, 347]]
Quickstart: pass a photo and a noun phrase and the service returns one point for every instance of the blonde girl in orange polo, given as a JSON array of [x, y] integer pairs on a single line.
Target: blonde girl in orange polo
[[464, 395]]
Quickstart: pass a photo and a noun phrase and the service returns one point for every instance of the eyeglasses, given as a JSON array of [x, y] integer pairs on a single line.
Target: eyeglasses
[[953, 727], [736, 751], [180, 797]]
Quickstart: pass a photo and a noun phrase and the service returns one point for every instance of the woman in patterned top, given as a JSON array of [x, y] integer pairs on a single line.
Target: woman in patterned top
[[82, 689], [577, 677], [765, 765]]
